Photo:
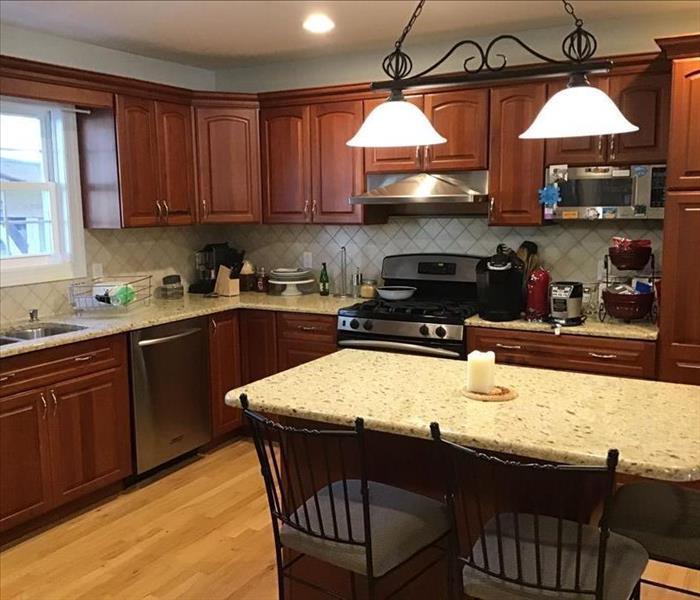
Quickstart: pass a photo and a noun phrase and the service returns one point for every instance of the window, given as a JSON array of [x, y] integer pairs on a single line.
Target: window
[[41, 237]]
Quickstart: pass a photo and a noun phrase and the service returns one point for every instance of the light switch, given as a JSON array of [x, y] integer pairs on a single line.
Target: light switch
[[308, 260], [97, 270]]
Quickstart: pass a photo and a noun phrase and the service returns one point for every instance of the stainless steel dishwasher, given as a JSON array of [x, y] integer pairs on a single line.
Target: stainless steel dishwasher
[[170, 391]]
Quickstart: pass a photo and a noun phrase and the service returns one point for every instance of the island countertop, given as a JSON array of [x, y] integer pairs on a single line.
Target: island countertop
[[558, 415]]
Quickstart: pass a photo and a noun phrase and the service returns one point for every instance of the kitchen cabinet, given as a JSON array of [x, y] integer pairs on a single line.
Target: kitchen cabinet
[[336, 168], [684, 139], [64, 426], [516, 167], [258, 345], [460, 116], [303, 338], [679, 336], [587, 354], [225, 370], [228, 165], [25, 468], [643, 98]]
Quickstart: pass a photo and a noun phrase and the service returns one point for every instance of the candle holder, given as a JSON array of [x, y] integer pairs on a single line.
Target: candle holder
[[499, 393]]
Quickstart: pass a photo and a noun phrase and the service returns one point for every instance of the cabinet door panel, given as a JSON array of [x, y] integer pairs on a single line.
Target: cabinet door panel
[[462, 118], [225, 368], [286, 164], [516, 170], [259, 344], [176, 161], [684, 143], [336, 168], [89, 433], [644, 99], [25, 475], [228, 159], [680, 294], [584, 150], [138, 161], [392, 160], [292, 353]]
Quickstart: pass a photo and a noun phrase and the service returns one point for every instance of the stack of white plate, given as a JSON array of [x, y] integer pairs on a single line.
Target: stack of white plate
[[291, 282]]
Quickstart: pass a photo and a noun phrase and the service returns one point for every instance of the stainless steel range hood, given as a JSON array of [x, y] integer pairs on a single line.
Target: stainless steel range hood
[[454, 190]]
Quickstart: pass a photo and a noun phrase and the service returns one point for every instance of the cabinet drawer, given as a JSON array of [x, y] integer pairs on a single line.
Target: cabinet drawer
[[302, 326], [45, 367], [605, 356]]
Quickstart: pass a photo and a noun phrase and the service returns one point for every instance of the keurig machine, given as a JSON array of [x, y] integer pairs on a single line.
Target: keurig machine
[[499, 284]]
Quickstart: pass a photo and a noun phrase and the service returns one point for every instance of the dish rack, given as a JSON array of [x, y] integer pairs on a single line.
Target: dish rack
[[82, 293]]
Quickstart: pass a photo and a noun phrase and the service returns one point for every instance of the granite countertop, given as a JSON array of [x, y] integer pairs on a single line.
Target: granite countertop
[[558, 415], [614, 328], [103, 323]]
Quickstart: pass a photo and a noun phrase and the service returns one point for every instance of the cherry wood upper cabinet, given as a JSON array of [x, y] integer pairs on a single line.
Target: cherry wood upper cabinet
[[286, 165], [584, 150], [89, 432], [679, 337], [228, 164], [644, 99], [462, 118], [336, 168], [225, 370], [138, 161], [176, 163], [25, 468], [516, 167], [684, 146], [392, 160]]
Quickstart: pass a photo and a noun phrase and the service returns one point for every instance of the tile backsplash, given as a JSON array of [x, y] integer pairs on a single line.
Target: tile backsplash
[[570, 250]]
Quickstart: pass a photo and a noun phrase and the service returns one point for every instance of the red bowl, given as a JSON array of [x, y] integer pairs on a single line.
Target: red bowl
[[630, 259], [628, 307]]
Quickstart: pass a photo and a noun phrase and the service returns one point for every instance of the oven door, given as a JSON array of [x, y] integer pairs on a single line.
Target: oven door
[[442, 349]]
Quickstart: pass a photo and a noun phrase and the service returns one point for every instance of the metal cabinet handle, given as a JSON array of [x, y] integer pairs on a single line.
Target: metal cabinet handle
[[55, 402], [603, 356], [306, 208], [160, 210], [612, 147], [417, 154], [83, 358], [426, 155], [314, 208], [600, 144], [306, 328], [213, 325], [507, 347], [169, 338], [167, 210], [45, 405], [6, 377]]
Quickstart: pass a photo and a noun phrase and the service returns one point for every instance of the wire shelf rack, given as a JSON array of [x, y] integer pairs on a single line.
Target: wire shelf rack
[[82, 294]]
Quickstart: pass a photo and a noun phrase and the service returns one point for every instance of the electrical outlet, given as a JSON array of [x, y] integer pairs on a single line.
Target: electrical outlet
[[97, 270], [308, 260]]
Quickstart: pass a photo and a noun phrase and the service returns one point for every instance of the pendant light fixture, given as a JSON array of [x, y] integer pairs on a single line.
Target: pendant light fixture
[[578, 110]]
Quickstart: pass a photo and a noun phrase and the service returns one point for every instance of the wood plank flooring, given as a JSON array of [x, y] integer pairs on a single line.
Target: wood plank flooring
[[199, 533]]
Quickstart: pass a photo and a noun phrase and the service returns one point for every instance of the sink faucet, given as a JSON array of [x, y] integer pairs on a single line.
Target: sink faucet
[[33, 314]]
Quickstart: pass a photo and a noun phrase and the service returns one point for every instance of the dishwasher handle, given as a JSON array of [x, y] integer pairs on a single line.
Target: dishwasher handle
[[170, 338]]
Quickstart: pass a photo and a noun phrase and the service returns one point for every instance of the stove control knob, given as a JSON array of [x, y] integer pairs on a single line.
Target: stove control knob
[[424, 330], [355, 324], [368, 325], [440, 332]]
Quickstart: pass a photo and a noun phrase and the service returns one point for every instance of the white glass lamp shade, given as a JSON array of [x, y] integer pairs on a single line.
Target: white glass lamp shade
[[578, 111], [396, 123]]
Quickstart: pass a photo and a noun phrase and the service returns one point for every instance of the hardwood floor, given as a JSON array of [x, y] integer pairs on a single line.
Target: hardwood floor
[[199, 533]]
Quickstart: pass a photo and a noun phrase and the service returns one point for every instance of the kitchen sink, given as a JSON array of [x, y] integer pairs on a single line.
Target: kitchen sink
[[6, 340], [36, 331]]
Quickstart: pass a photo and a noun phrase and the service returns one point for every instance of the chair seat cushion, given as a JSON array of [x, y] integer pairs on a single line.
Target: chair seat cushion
[[625, 561], [401, 524], [662, 517]]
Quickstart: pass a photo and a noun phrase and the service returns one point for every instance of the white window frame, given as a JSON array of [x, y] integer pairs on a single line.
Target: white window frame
[[62, 169]]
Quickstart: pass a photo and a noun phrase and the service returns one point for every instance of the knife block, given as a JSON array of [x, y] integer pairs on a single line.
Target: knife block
[[225, 286]]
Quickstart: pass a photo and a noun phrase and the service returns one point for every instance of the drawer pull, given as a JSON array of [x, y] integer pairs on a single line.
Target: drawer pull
[[6, 377], [55, 402], [507, 347], [306, 328], [688, 365], [46, 406], [83, 358], [603, 356]]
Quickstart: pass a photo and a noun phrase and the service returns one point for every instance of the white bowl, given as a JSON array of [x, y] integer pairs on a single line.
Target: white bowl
[[396, 292]]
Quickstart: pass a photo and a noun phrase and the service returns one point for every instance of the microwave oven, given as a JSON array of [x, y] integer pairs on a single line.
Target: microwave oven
[[607, 192]]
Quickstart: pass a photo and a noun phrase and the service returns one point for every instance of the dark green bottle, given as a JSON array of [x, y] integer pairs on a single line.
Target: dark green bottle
[[323, 281]]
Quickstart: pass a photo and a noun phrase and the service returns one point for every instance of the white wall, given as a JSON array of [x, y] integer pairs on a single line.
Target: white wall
[[619, 36], [33, 45]]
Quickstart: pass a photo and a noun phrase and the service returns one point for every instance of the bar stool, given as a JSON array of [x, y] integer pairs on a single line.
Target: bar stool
[[527, 532], [327, 509], [665, 519]]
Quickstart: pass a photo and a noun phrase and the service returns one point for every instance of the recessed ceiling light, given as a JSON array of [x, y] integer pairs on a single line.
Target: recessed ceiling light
[[318, 23]]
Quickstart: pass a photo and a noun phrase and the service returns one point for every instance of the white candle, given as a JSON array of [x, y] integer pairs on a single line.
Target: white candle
[[481, 371]]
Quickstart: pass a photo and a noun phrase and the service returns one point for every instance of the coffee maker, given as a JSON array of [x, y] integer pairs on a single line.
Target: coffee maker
[[207, 262], [499, 286]]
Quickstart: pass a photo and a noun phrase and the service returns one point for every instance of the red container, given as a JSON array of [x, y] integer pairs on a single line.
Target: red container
[[538, 295], [632, 258], [628, 306]]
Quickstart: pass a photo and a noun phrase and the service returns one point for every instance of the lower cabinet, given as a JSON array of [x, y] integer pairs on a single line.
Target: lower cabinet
[[225, 370], [587, 354], [259, 343], [303, 338], [67, 438]]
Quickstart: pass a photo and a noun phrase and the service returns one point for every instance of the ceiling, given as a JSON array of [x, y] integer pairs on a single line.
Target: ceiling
[[218, 33]]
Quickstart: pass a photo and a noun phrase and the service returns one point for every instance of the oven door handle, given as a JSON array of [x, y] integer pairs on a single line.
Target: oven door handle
[[384, 345]]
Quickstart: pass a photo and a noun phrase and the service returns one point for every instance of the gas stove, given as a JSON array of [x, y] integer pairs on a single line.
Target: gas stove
[[431, 322]]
